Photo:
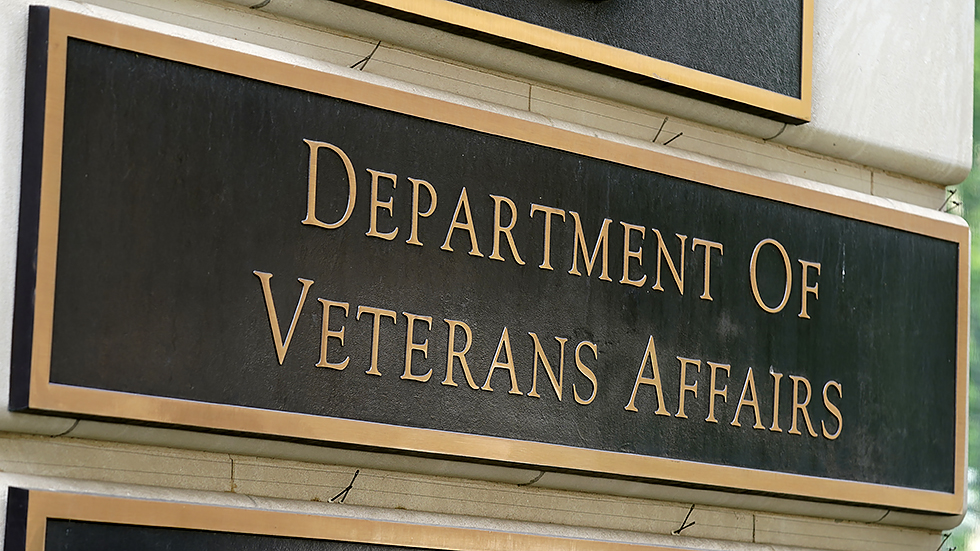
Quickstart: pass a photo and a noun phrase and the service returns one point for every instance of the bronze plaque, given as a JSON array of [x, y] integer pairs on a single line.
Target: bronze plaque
[[222, 242]]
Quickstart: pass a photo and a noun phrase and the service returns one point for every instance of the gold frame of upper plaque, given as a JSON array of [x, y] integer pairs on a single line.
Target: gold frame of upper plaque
[[792, 109]]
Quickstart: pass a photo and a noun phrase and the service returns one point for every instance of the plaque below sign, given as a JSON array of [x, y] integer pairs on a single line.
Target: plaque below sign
[[55, 521], [219, 241]]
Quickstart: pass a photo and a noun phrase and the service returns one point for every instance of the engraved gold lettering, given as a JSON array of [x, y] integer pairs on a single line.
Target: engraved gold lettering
[[327, 333], [413, 239], [715, 391], [584, 370], [708, 246], [458, 354], [311, 219], [663, 253], [601, 242], [752, 275], [651, 353], [464, 205], [832, 408], [776, 377], [806, 288], [629, 253], [411, 346], [507, 364], [281, 346], [556, 384], [548, 213], [801, 406], [376, 204], [749, 386], [685, 388], [499, 230], [377, 314]]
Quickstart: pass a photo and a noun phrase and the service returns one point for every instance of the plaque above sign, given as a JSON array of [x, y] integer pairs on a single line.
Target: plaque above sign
[[224, 242], [751, 55]]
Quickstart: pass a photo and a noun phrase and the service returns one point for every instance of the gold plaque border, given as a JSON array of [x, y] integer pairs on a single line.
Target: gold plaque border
[[44, 505], [492, 24], [51, 397]]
